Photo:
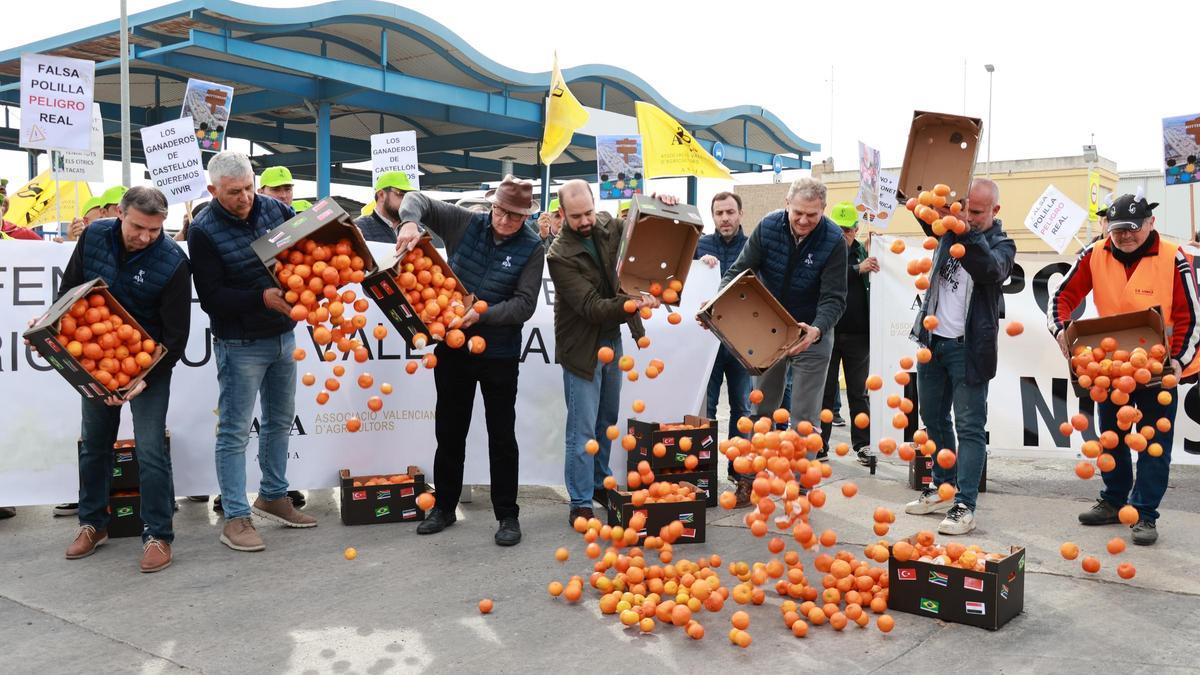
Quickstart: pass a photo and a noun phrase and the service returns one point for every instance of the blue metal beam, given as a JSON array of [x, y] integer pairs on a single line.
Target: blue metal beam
[[324, 161]]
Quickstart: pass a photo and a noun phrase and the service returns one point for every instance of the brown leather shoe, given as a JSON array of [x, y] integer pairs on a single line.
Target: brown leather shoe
[[584, 512], [87, 540], [282, 511], [156, 555], [745, 486], [239, 534]]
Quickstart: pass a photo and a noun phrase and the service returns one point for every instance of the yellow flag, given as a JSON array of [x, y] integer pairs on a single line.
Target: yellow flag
[[670, 150], [564, 114], [38, 203]]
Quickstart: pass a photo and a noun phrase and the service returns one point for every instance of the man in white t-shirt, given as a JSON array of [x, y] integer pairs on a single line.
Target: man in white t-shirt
[[959, 322]]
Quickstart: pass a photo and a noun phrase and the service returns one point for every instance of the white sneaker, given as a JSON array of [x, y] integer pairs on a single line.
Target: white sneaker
[[928, 502], [959, 520]]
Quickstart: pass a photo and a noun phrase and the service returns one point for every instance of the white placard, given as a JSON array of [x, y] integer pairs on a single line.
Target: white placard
[[1055, 218], [86, 166], [395, 151], [173, 159], [56, 102], [888, 182]]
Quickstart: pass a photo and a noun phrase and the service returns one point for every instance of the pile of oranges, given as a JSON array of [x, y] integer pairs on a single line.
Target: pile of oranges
[[109, 349], [661, 492], [1110, 373], [925, 207], [923, 549], [437, 297], [369, 481]]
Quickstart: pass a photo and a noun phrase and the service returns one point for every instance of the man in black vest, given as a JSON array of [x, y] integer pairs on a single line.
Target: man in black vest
[[148, 274], [499, 259], [252, 345], [382, 224], [800, 256]]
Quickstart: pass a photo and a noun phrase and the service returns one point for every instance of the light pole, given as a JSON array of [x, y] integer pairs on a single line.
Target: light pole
[[991, 70]]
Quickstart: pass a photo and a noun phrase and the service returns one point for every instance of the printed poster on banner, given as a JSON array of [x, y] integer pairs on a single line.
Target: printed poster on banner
[[395, 151], [87, 166], [619, 166], [868, 176], [1055, 218], [882, 216], [174, 160], [56, 102], [207, 104], [1181, 149]]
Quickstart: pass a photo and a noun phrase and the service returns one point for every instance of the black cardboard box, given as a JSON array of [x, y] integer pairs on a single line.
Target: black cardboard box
[[125, 514], [370, 504], [126, 473], [703, 443], [751, 323], [383, 287], [987, 599], [692, 514], [920, 472], [324, 223]]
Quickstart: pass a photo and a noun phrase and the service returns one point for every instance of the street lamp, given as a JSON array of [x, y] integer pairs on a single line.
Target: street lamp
[[991, 70]]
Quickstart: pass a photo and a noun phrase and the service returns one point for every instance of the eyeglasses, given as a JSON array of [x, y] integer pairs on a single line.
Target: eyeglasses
[[499, 213]]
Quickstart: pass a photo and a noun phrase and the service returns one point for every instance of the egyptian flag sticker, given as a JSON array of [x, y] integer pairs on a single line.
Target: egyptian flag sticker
[[976, 608]]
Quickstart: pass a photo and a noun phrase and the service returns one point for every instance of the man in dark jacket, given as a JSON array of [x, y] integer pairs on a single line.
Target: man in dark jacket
[[382, 224], [723, 247], [964, 302], [499, 259], [800, 256], [852, 344], [252, 345], [148, 274], [588, 315]]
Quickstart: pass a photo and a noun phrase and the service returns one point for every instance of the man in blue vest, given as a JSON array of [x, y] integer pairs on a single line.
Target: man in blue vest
[[148, 274], [382, 223], [252, 345], [723, 247], [499, 259], [800, 255]]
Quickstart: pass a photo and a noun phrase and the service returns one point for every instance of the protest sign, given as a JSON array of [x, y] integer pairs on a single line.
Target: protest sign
[[395, 151], [1181, 149], [173, 159], [868, 176], [85, 165], [208, 104], [1055, 218], [619, 166], [56, 102], [881, 217]]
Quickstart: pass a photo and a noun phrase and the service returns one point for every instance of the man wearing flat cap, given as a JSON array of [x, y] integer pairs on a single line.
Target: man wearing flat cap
[[382, 223], [499, 259], [1131, 269]]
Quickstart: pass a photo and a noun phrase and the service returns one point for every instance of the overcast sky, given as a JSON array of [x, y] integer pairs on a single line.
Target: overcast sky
[[1063, 70]]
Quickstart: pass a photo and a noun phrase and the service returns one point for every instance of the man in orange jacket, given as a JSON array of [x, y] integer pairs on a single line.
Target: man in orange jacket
[[1129, 270]]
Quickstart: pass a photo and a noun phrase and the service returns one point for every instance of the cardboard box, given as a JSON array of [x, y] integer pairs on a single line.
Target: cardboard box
[[751, 323], [383, 287], [657, 244], [692, 514], [987, 599], [705, 480], [703, 437], [371, 504], [1143, 328], [46, 327], [324, 223], [942, 148], [125, 514], [920, 472]]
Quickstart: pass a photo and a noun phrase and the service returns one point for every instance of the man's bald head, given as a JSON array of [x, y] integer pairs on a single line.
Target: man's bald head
[[577, 206], [983, 203]]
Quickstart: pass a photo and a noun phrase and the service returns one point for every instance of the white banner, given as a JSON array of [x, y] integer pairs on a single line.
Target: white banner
[[174, 160], [1030, 396], [56, 102], [395, 151], [85, 166], [1055, 218], [38, 448]]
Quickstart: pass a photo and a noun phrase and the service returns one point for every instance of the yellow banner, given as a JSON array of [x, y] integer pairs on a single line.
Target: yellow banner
[[39, 203], [670, 150], [564, 114], [1093, 195]]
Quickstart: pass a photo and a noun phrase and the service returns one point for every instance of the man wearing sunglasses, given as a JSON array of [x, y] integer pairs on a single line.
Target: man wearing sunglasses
[[1129, 270], [499, 259]]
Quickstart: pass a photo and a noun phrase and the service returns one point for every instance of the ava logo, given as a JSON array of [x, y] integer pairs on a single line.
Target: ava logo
[[938, 579], [140, 277], [383, 511], [558, 92], [928, 605], [682, 137], [507, 261], [973, 584], [808, 260], [976, 608], [906, 574]]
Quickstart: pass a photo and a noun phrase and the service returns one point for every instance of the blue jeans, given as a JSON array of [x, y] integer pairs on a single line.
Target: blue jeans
[[942, 386], [246, 369], [1152, 472], [737, 385], [592, 407], [100, 425]]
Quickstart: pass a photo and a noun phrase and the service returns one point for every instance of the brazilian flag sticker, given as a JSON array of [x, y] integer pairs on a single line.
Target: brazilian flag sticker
[[928, 605]]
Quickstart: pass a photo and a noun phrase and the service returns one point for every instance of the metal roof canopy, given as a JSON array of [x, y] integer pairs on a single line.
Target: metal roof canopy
[[312, 84]]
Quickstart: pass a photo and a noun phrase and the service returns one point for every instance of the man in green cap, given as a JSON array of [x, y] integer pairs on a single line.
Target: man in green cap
[[623, 209], [276, 182], [550, 223], [851, 336], [91, 211], [109, 200], [383, 223]]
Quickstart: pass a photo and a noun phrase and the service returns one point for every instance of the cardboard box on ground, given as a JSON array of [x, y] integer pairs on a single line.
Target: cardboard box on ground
[[657, 245], [1143, 328], [387, 503], [751, 323], [942, 148], [125, 500], [692, 514], [384, 289], [987, 599]]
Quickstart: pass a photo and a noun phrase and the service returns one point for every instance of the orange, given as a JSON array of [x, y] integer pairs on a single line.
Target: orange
[[562, 554], [322, 397], [353, 424], [455, 338], [756, 396], [1069, 550], [674, 318], [958, 251], [898, 246], [592, 447], [485, 606], [874, 383], [946, 458], [375, 403], [1014, 328], [1085, 470], [740, 620], [351, 553], [630, 306], [862, 420], [885, 622], [366, 381], [425, 501], [1091, 565], [643, 342], [1126, 571], [639, 406], [1115, 546]]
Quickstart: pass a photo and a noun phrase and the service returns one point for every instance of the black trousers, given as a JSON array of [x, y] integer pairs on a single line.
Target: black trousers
[[456, 374], [852, 351]]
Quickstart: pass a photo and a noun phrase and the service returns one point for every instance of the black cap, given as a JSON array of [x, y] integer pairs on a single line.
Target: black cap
[[1128, 212]]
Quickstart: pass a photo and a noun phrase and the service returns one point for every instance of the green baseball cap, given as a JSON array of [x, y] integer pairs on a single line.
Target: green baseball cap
[[275, 176], [93, 203], [624, 205], [112, 195], [554, 204], [301, 205], [844, 214], [393, 179]]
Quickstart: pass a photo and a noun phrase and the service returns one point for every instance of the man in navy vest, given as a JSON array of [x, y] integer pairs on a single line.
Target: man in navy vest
[[723, 247], [148, 274], [252, 345], [382, 224], [499, 259], [800, 256]]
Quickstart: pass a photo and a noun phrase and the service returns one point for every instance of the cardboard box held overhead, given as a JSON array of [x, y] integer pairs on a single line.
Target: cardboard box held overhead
[[751, 323], [383, 287], [942, 148], [324, 223], [1143, 328], [657, 245]]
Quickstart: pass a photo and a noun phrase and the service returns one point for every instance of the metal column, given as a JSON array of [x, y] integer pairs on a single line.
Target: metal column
[[323, 156]]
